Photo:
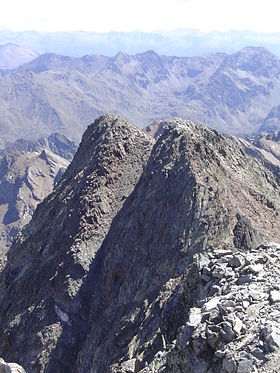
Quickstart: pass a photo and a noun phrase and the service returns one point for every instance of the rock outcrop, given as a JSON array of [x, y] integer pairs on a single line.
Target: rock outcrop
[[148, 257]]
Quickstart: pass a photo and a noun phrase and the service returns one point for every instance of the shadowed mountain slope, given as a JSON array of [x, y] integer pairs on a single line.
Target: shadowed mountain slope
[[68, 231]]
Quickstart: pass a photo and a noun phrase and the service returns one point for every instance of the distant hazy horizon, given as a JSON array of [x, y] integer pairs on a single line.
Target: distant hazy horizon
[[144, 15], [181, 42]]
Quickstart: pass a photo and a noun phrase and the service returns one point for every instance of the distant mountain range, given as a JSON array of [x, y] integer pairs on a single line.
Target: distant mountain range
[[12, 56], [28, 172], [181, 42], [237, 94], [149, 250]]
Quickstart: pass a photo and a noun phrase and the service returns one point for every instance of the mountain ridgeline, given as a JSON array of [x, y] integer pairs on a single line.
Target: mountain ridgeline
[[12, 56], [180, 42], [235, 94], [143, 256]]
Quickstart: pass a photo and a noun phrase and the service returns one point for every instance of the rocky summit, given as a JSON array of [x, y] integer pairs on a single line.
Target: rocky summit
[[149, 256]]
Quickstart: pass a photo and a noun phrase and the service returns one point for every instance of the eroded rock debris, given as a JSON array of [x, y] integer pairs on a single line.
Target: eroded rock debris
[[233, 325]]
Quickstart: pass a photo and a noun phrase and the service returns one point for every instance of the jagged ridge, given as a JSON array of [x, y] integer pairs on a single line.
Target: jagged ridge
[[112, 253], [56, 249]]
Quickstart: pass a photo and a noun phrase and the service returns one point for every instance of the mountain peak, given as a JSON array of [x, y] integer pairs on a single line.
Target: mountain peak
[[103, 173], [257, 60], [149, 55], [251, 52], [107, 123], [121, 58], [113, 259], [149, 52], [13, 55]]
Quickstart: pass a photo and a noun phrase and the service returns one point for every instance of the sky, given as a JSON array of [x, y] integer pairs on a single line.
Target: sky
[[143, 15]]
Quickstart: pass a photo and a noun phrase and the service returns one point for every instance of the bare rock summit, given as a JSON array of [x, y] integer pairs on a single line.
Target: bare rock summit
[[149, 256]]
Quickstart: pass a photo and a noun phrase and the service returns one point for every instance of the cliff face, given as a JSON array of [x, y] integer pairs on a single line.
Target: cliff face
[[108, 273]]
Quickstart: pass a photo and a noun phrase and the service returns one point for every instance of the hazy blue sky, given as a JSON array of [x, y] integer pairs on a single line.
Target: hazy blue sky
[[145, 15]]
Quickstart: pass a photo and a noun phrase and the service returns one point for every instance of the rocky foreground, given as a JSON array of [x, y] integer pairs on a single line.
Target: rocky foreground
[[234, 321], [149, 256]]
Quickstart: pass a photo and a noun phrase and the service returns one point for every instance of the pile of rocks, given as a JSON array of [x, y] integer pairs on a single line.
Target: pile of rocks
[[234, 326], [237, 314]]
